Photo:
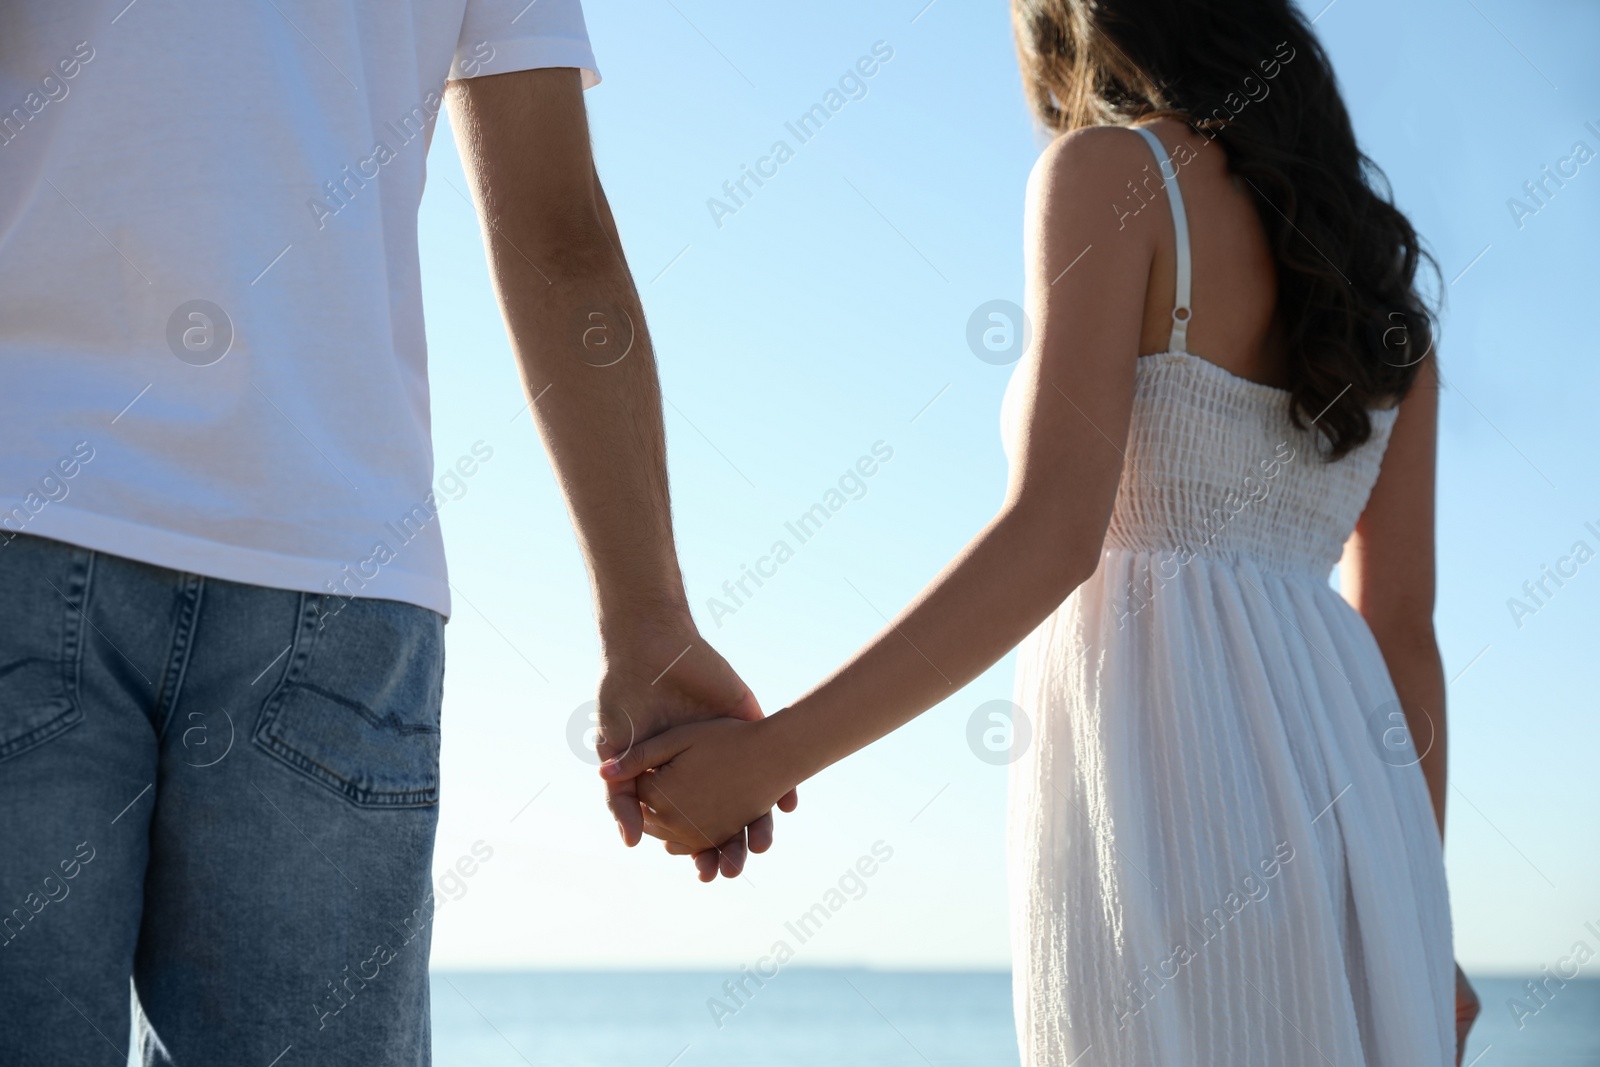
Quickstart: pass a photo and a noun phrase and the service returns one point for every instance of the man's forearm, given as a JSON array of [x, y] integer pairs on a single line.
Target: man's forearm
[[578, 333], [579, 336]]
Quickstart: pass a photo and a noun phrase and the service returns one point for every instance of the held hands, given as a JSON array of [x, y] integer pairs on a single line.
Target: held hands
[[651, 684], [701, 783]]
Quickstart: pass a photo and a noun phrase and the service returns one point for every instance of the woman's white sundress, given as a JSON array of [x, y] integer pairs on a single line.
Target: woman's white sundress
[[1222, 851]]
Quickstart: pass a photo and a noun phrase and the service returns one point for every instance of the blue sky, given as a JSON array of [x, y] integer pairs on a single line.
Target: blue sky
[[828, 314]]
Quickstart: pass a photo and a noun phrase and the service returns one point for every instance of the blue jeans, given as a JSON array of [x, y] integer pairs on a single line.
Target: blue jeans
[[226, 792]]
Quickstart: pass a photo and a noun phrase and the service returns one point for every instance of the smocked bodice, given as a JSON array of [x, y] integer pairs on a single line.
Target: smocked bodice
[[1216, 469]]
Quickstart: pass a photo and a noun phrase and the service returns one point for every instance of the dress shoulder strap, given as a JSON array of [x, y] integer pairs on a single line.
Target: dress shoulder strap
[[1180, 227]]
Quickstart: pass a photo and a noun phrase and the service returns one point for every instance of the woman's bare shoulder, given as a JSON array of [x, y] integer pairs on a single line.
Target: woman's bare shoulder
[[1090, 153], [1083, 180]]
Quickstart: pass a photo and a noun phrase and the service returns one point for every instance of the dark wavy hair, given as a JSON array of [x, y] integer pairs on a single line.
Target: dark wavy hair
[[1251, 75]]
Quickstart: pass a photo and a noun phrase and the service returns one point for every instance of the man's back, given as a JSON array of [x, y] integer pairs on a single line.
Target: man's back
[[209, 280]]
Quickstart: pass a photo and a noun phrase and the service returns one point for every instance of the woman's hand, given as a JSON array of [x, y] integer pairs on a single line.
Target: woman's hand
[[703, 782], [1467, 1008]]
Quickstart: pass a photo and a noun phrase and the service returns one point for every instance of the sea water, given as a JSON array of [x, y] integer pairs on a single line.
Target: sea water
[[837, 1018]]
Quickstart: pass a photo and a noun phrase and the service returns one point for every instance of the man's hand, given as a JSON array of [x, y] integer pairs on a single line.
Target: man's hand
[[654, 682]]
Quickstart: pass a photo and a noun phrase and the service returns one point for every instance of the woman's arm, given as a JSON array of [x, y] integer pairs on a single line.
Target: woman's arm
[[1044, 541], [1387, 573]]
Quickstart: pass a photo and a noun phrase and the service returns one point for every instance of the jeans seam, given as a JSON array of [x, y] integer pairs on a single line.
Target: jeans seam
[[179, 646], [300, 646], [79, 579]]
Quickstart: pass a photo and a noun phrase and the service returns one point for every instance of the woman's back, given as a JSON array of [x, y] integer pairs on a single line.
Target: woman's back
[[1234, 276], [1214, 465]]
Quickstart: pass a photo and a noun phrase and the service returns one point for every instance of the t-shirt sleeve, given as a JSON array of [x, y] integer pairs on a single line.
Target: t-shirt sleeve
[[500, 36]]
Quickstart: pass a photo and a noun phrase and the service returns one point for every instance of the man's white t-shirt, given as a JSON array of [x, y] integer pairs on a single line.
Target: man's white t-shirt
[[211, 338]]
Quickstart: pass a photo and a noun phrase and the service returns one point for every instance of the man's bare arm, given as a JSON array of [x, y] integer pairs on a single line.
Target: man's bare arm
[[578, 332], [571, 309]]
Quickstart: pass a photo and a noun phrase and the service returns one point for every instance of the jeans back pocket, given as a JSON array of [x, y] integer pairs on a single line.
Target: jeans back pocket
[[358, 708], [43, 586]]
